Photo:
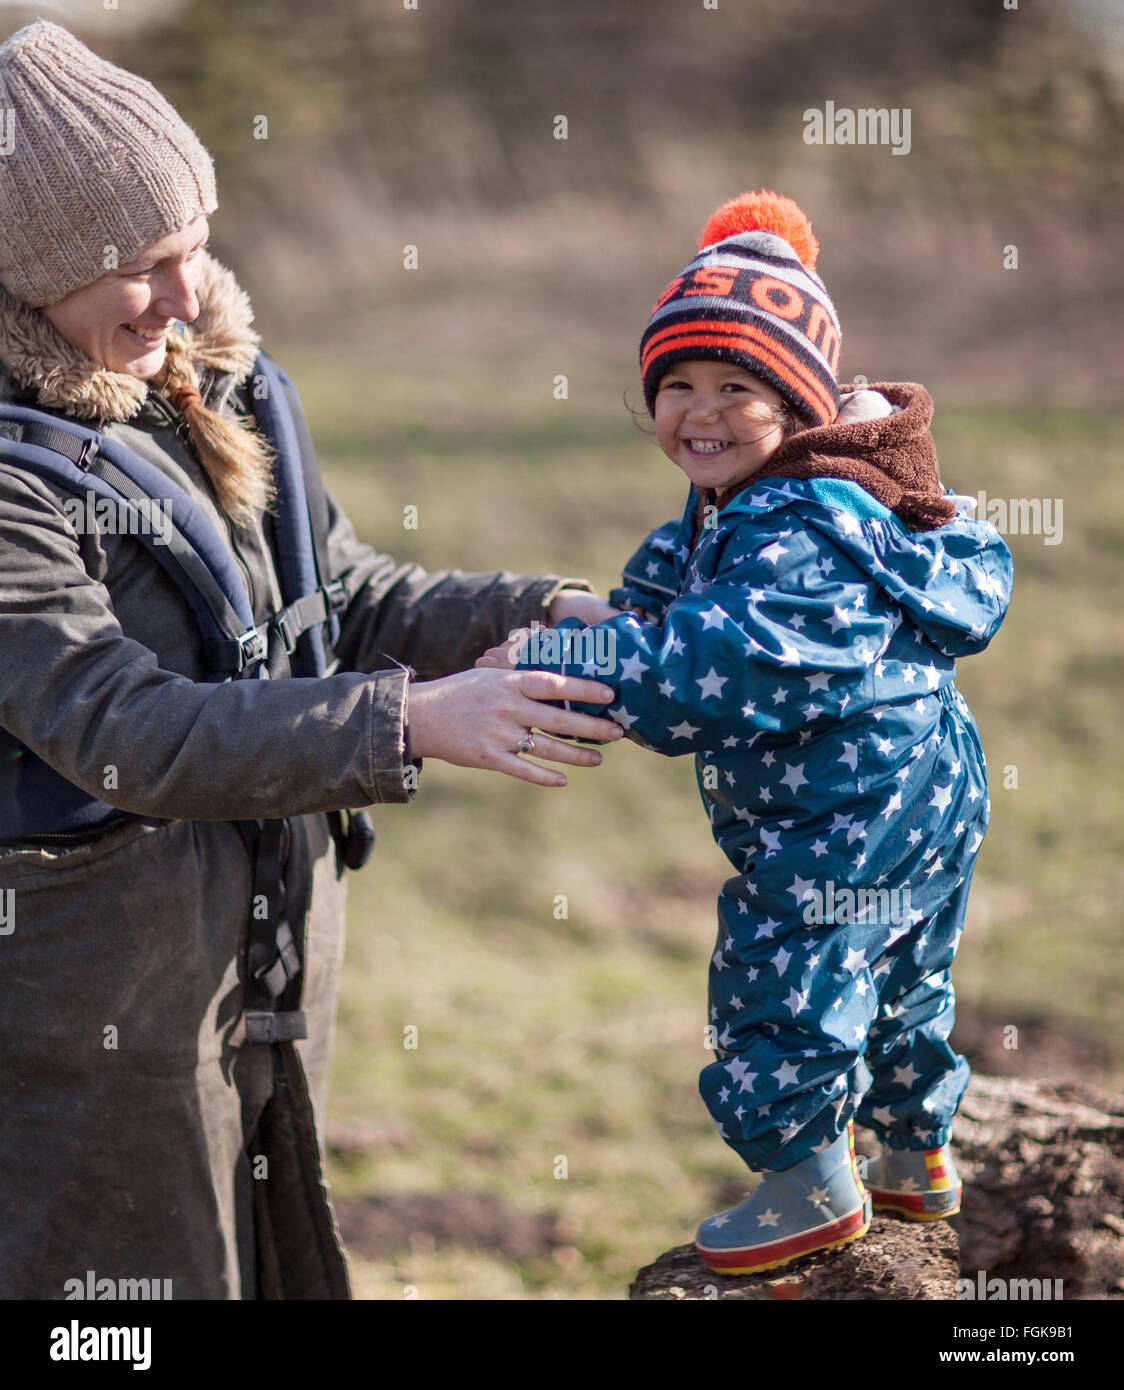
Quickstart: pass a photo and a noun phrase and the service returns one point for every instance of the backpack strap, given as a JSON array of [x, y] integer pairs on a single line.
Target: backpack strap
[[80, 461], [296, 547], [272, 961], [302, 546]]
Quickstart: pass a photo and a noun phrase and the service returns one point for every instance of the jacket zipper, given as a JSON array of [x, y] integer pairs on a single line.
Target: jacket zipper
[[67, 836], [178, 422]]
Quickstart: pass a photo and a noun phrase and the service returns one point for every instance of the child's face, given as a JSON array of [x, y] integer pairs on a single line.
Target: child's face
[[716, 421]]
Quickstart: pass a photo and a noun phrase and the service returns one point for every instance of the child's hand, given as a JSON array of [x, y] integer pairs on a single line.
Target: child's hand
[[640, 613], [587, 608], [507, 653]]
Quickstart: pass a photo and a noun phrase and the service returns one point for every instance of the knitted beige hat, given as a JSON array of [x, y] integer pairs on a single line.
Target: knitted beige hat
[[95, 166]]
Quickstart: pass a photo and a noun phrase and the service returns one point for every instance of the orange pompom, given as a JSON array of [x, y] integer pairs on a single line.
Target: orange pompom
[[764, 212]]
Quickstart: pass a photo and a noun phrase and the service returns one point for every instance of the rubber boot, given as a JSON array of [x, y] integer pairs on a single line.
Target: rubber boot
[[922, 1184], [818, 1204]]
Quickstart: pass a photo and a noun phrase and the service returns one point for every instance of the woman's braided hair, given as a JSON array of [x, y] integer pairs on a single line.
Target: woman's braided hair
[[237, 457]]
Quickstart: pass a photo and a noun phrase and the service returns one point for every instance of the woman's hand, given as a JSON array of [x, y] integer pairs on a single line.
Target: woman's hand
[[576, 603], [477, 719]]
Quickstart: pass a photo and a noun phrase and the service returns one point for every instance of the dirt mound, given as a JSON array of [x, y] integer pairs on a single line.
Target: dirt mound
[[1043, 1166]]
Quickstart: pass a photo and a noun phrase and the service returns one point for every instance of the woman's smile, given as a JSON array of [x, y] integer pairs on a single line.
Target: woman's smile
[[146, 337]]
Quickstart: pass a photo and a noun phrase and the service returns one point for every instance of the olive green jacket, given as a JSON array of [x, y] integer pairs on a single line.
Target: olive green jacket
[[141, 1137]]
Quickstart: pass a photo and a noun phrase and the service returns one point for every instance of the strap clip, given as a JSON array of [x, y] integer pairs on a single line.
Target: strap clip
[[252, 646], [88, 454], [282, 625], [336, 595], [265, 1027]]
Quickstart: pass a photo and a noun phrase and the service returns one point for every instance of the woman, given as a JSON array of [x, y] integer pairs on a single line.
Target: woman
[[146, 1134]]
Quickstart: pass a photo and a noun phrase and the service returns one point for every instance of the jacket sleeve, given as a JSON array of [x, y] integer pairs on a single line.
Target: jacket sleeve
[[437, 623], [649, 580], [785, 631], [86, 698]]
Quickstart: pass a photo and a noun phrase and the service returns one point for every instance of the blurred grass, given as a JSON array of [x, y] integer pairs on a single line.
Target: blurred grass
[[543, 1037]]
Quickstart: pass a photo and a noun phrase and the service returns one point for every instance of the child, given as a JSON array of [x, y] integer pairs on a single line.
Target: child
[[796, 630]]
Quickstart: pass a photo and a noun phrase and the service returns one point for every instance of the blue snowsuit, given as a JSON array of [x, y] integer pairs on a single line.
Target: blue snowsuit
[[804, 652]]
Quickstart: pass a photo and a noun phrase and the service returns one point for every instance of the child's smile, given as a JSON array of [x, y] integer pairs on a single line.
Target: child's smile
[[717, 422]]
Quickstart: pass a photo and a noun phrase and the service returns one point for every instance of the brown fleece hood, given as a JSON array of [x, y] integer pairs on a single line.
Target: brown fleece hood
[[892, 457]]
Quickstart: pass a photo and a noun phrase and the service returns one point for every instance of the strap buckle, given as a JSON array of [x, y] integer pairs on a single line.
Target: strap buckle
[[88, 454], [336, 595], [252, 646], [283, 626], [263, 1026]]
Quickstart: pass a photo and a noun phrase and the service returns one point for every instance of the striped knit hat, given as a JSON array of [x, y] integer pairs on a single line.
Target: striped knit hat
[[753, 298], [95, 167]]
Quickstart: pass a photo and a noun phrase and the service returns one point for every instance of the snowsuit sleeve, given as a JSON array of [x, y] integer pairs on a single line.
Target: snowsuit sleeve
[[650, 580], [776, 629]]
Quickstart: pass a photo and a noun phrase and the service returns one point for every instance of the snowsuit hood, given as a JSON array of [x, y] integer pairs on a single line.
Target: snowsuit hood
[[893, 456], [862, 469]]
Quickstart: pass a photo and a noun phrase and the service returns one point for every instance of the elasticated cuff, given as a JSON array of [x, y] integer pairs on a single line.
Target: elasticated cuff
[[388, 778], [539, 595]]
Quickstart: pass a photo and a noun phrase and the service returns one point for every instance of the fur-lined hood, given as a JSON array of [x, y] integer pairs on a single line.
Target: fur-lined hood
[[40, 367]]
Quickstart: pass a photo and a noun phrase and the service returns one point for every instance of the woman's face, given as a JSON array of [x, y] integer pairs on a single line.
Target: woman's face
[[121, 321]]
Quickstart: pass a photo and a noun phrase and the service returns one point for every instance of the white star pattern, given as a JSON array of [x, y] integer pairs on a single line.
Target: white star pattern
[[786, 1074], [800, 888], [828, 627], [711, 684], [794, 777], [781, 960], [796, 1003]]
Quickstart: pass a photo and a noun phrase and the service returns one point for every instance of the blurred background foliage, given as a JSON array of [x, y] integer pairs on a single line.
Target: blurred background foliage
[[579, 1037]]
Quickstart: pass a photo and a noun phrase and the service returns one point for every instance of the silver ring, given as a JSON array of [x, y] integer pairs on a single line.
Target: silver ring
[[526, 744]]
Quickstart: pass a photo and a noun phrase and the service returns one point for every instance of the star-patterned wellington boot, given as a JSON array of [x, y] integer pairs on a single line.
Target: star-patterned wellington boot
[[818, 1204], [921, 1184]]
